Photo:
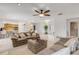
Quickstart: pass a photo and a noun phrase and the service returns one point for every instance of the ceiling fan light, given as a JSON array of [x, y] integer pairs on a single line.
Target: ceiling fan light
[[41, 15]]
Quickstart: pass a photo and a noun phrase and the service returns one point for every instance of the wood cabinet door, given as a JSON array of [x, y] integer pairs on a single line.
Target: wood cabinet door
[[73, 29]]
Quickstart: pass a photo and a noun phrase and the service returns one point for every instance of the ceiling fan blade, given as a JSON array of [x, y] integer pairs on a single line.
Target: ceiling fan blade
[[47, 11], [37, 11], [36, 15], [46, 14]]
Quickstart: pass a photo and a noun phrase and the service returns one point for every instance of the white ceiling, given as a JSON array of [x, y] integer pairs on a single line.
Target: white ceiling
[[12, 11]]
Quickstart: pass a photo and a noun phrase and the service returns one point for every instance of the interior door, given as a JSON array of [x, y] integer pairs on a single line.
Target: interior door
[[73, 29]]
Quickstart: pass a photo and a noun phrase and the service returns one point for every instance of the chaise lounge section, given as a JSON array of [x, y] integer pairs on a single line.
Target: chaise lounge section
[[37, 45]]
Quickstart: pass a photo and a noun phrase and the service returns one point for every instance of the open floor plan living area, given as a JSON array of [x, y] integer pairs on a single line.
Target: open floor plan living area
[[39, 28]]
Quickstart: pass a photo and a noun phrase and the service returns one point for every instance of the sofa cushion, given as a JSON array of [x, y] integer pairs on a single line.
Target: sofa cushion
[[16, 35], [28, 34], [32, 41], [22, 35], [34, 34]]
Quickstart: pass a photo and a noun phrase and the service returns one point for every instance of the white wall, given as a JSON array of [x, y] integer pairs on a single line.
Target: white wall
[[60, 26], [40, 26], [21, 27]]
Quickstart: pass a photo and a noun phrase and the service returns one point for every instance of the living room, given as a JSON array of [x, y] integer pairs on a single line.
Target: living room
[[39, 29]]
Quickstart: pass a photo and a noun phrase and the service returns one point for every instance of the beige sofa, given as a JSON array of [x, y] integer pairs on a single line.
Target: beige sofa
[[19, 39]]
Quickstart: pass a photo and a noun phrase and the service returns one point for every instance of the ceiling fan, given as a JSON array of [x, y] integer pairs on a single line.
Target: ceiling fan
[[42, 13]]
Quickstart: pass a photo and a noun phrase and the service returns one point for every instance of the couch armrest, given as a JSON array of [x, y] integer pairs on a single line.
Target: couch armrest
[[14, 39]]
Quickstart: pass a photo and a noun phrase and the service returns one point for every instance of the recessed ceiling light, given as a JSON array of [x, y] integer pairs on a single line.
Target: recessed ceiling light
[[19, 4]]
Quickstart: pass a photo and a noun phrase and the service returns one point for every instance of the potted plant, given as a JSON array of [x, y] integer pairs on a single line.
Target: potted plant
[[46, 29]]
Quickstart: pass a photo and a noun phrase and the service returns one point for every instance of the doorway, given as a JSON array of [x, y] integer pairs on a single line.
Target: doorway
[[73, 29]]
